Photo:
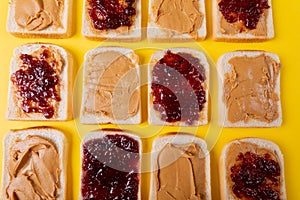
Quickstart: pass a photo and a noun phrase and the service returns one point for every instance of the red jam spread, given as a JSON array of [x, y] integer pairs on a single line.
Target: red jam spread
[[256, 177], [109, 168], [247, 11], [111, 14], [37, 82], [177, 87]]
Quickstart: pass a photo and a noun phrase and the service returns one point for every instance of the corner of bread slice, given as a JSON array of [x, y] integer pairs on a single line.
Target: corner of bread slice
[[55, 136], [220, 36], [101, 133], [223, 68], [258, 143], [179, 138], [153, 115], [63, 109], [91, 83], [122, 34], [50, 32], [156, 33]]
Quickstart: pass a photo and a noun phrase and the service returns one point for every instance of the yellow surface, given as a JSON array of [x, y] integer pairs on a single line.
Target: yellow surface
[[286, 45]]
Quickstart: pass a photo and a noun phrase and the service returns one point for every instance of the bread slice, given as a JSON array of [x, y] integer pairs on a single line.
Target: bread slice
[[157, 33], [153, 115], [93, 73], [100, 134], [252, 145], [56, 137], [62, 110], [179, 139], [50, 32], [131, 34], [248, 36], [224, 67]]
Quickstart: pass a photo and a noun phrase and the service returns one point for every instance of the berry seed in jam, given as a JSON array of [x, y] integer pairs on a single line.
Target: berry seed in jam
[[110, 168], [111, 14], [177, 87], [36, 83], [256, 177], [247, 11]]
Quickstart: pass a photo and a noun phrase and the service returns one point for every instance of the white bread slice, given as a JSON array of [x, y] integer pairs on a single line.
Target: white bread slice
[[98, 134], [49, 32], [63, 112], [98, 118], [153, 115], [134, 33], [243, 36], [224, 67], [179, 138], [224, 166], [155, 33], [53, 135]]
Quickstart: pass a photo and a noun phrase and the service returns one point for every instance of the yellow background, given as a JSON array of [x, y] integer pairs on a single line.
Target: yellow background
[[286, 44]]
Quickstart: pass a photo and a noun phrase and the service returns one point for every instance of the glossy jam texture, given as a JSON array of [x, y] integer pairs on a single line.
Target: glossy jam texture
[[36, 82], [256, 177], [111, 14], [247, 11], [109, 168], [177, 87]]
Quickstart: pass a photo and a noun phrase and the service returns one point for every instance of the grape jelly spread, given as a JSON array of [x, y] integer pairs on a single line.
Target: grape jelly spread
[[111, 14], [247, 11], [177, 87], [110, 168], [37, 81], [256, 177]]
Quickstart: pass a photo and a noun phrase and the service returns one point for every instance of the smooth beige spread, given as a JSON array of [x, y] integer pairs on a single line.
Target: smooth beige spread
[[249, 90], [182, 16], [112, 85], [38, 14], [34, 170], [242, 147], [239, 27], [181, 172]]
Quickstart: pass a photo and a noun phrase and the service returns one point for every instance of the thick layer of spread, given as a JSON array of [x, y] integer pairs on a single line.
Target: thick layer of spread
[[249, 90], [112, 86], [181, 172], [34, 169], [255, 186], [182, 16], [39, 14]]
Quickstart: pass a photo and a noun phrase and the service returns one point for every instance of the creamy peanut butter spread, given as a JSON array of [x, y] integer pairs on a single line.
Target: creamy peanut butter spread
[[181, 172], [249, 90], [112, 86], [182, 16], [242, 147], [38, 14], [239, 27], [33, 169]]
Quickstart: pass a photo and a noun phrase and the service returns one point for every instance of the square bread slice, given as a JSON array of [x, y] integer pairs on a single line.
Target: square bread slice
[[111, 87], [258, 147], [54, 136], [36, 83], [154, 117], [184, 142], [179, 20], [123, 33], [237, 32], [33, 14], [119, 150], [251, 82]]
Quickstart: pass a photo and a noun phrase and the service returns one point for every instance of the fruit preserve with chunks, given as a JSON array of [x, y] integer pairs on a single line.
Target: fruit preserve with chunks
[[110, 168], [178, 87], [256, 177]]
